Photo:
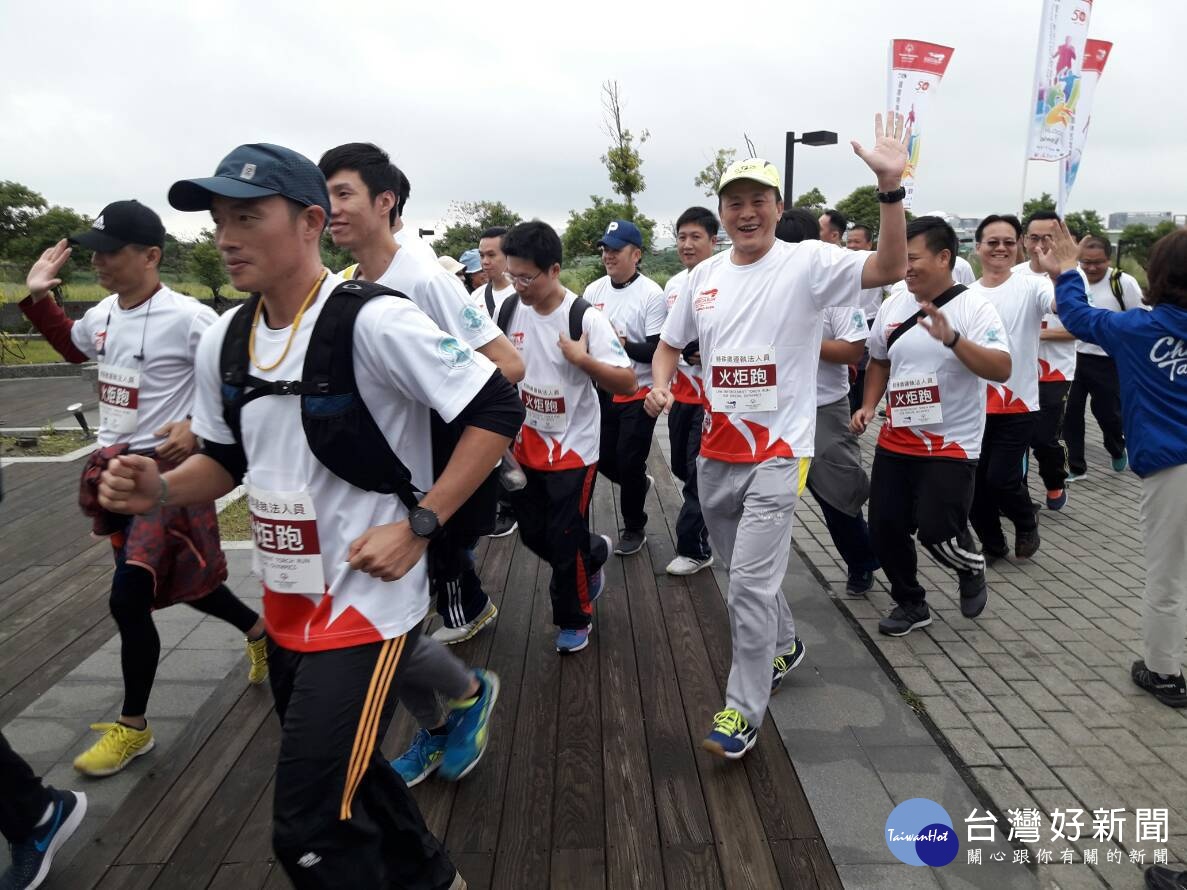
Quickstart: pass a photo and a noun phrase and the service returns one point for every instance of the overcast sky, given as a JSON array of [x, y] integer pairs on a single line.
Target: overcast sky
[[500, 100]]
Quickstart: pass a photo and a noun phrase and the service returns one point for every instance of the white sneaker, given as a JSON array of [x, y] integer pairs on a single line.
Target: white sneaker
[[450, 636], [686, 565]]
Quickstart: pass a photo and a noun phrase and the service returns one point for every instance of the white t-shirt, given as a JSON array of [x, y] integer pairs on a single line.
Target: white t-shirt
[[687, 387], [846, 323], [1057, 358], [408, 238], [636, 312], [139, 396], [479, 297], [563, 427], [962, 272], [1021, 302], [758, 325], [1101, 296], [870, 298], [404, 364], [917, 355], [440, 296]]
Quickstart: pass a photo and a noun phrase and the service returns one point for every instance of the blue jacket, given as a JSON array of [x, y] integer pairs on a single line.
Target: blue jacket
[[1150, 349]]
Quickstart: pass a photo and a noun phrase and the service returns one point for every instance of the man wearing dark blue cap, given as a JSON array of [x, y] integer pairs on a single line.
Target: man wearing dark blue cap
[[636, 307], [343, 568]]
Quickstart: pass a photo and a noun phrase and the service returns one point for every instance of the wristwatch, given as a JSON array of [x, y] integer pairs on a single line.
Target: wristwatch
[[893, 197], [424, 523]]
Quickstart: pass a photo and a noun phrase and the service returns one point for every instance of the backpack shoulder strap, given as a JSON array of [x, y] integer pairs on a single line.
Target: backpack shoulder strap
[[238, 386], [1115, 287], [577, 316], [506, 312], [946, 297], [489, 296]]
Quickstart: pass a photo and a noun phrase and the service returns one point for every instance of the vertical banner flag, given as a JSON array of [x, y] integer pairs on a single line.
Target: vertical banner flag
[[1096, 54], [914, 73], [1057, 85]]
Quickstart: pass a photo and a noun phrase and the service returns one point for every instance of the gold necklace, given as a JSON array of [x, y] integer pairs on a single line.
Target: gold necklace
[[251, 340]]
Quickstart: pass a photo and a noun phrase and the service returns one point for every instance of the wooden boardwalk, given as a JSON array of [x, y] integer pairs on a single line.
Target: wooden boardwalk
[[594, 777]]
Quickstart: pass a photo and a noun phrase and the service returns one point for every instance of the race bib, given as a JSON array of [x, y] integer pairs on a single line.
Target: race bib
[[545, 407], [119, 398], [914, 401], [284, 528], [744, 380]]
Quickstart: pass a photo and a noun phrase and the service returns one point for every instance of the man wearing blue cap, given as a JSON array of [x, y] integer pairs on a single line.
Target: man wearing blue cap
[[345, 586], [636, 307]]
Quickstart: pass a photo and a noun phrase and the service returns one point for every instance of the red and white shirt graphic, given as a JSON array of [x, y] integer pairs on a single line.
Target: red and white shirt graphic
[[741, 314], [935, 372], [636, 312], [563, 428], [1022, 302]]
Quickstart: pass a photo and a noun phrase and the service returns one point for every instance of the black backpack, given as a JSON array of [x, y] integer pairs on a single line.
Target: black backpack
[[507, 310], [340, 430]]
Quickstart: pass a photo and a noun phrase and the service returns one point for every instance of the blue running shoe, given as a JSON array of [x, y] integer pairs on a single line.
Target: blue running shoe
[[570, 641], [470, 720], [785, 663], [732, 735], [1056, 498], [421, 759], [1120, 463], [32, 858]]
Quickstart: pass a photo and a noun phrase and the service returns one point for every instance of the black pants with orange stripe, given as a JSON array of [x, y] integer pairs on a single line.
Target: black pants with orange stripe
[[342, 817], [553, 513]]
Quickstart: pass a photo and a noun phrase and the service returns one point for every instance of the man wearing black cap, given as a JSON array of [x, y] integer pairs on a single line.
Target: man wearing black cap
[[636, 307], [345, 595], [145, 337]]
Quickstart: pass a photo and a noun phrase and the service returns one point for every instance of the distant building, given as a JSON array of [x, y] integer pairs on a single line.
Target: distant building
[[1119, 221]]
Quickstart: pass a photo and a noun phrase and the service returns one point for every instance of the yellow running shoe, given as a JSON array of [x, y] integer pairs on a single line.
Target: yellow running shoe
[[117, 747], [257, 653]]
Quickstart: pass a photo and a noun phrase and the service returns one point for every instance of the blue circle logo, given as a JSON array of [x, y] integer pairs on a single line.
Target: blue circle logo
[[919, 832]]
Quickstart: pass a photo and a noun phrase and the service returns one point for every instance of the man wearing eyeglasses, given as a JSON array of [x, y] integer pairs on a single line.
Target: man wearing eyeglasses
[[145, 338], [1057, 368], [1012, 407]]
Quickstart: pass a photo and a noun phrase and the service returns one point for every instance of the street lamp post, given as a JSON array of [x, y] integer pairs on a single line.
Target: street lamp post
[[816, 137]]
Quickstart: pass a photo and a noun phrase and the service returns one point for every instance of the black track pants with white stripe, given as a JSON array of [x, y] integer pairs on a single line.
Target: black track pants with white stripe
[[927, 496]]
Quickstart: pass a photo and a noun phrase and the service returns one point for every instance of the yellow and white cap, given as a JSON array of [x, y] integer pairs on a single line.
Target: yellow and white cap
[[755, 169]]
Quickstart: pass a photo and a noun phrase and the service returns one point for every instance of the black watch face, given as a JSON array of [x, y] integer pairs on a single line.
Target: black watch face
[[423, 522]]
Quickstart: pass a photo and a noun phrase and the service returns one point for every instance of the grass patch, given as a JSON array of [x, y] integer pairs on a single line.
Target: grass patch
[[48, 444], [914, 701], [93, 292], [27, 352], [234, 523]]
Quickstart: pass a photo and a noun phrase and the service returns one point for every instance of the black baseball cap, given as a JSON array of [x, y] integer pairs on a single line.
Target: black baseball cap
[[122, 223], [256, 171]]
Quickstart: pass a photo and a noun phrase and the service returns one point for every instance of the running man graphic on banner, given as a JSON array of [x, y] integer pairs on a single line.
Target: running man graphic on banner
[[914, 73], [1096, 54], [1057, 87]]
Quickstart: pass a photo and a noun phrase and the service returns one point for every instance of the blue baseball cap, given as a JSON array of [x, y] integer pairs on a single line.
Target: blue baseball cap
[[471, 261], [256, 171], [620, 233]]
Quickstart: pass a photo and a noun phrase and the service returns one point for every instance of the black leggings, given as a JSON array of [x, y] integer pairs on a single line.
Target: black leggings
[[140, 646]]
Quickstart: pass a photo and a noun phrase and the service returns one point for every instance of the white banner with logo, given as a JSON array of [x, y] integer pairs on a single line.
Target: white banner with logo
[[914, 73], [1096, 54], [1056, 91]]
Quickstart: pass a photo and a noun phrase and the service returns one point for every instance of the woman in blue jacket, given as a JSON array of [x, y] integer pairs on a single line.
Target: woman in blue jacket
[[1150, 349]]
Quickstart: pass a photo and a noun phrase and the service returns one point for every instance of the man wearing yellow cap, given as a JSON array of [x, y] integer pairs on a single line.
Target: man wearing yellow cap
[[756, 311]]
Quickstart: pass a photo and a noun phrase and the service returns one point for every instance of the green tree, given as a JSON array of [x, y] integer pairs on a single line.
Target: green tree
[[861, 206], [18, 205], [622, 159], [1137, 240], [468, 220], [206, 263], [813, 199], [44, 230], [587, 226], [332, 257], [708, 178], [1045, 202], [1085, 222]]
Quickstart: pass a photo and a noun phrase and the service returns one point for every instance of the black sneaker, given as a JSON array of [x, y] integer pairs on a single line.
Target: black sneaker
[[1171, 691], [1026, 543], [859, 582], [785, 663], [505, 523], [996, 549], [630, 542], [905, 619], [32, 858], [973, 593], [1159, 877]]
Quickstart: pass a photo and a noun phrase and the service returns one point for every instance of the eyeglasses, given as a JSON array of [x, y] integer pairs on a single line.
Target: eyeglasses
[[995, 243], [1035, 239], [523, 280]]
